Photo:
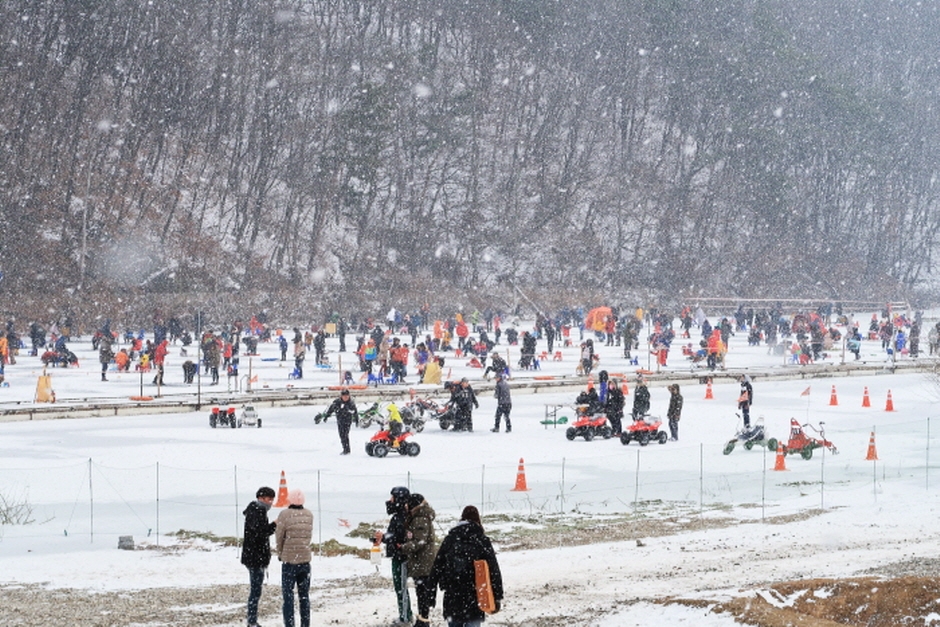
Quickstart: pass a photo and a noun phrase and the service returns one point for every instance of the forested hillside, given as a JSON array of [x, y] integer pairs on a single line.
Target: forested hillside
[[307, 149]]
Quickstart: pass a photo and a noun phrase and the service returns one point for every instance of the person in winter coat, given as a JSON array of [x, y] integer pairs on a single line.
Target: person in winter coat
[[674, 413], [453, 570], [394, 538], [746, 399], [432, 372], [614, 407], [105, 355], [293, 533], [256, 548], [345, 409], [641, 399], [464, 400], [282, 344], [159, 360], [503, 402], [420, 549]]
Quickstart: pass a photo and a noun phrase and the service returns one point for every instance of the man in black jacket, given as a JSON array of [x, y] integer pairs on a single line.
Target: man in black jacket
[[256, 548], [394, 538], [345, 409]]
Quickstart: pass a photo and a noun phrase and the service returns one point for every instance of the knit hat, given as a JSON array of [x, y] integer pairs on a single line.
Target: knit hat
[[296, 497], [264, 492], [415, 500], [471, 514]]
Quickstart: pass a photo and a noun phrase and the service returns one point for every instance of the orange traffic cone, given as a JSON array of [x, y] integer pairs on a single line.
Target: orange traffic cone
[[872, 453], [708, 392], [889, 406], [832, 398], [624, 388], [590, 382], [282, 492], [520, 478], [866, 402], [781, 463]]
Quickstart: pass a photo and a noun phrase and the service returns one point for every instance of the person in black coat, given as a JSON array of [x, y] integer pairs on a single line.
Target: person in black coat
[[464, 399], [641, 399], [256, 548], [345, 409], [453, 570], [394, 537], [614, 407]]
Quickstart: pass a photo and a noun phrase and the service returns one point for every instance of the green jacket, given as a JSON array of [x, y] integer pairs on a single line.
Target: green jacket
[[421, 546]]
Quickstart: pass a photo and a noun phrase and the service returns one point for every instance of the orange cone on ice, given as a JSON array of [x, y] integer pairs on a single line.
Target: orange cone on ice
[[520, 478], [872, 453], [624, 388], [866, 401], [282, 492], [590, 382], [780, 463], [708, 392], [889, 406], [833, 400]]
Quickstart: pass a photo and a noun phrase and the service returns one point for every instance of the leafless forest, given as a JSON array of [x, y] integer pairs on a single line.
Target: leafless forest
[[324, 154]]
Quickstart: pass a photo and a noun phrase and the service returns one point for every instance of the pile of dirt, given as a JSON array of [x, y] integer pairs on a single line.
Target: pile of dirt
[[862, 602]]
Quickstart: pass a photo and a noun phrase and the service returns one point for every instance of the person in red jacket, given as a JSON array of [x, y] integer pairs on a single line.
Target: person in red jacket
[[159, 357]]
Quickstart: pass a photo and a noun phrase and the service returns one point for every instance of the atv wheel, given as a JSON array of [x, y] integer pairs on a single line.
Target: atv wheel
[[259, 423], [807, 452], [401, 448], [748, 445], [239, 423], [571, 433], [231, 423], [317, 419], [588, 434], [413, 449], [644, 438], [418, 425], [380, 450], [772, 445], [624, 438], [446, 424], [370, 448], [212, 421], [729, 447], [662, 437], [606, 432], [365, 422]]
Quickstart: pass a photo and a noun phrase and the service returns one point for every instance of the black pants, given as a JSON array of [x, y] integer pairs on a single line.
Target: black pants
[[501, 411], [343, 424], [615, 423], [427, 596]]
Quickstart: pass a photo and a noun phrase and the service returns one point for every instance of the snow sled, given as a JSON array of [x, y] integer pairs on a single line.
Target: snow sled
[[643, 431], [382, 443], [249, 417], [751, 436], [223, 418], [801, 443], [588, 425]]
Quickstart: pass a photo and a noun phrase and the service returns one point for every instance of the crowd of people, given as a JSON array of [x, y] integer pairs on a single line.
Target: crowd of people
[[464, 562]]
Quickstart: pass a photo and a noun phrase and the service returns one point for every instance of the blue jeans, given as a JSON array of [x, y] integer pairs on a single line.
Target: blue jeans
[[256, 579], [296, 575]]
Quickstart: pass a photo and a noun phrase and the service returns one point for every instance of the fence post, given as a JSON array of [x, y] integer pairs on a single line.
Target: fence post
[[158, 503]]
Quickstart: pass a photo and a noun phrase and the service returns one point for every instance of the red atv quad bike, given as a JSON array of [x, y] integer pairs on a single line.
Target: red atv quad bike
[[801, 443], [589, 425], [382, 442], [644, 431]]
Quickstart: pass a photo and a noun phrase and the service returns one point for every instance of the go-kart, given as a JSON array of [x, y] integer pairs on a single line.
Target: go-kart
[[249, 417], [223, 418], [382, 443], [801, 443], [751, 436], [588, 425], [643, 430]]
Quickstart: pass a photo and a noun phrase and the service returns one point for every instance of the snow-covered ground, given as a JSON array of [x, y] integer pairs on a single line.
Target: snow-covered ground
[[89, 481]]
